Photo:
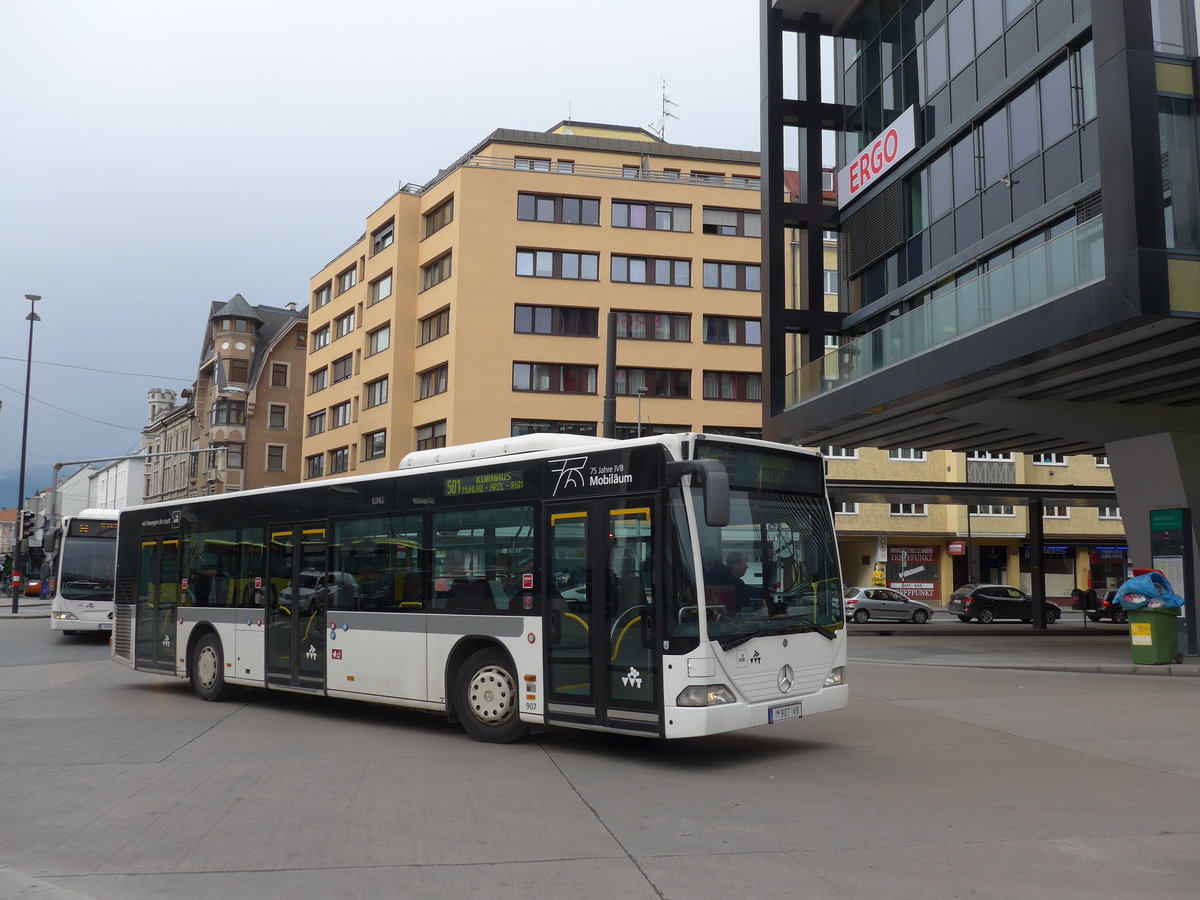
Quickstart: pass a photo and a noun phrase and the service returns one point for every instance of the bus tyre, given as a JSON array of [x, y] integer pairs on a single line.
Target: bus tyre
[[208, 670], [486, 698]]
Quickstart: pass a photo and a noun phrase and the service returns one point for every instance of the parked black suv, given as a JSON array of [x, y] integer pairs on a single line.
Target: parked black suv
[[988, 602], [1108, 608]]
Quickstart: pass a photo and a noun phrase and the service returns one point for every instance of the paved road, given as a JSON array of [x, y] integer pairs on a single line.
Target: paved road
[[936, 782]]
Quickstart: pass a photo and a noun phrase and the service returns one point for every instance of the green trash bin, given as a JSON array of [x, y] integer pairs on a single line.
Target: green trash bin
[[1154, 636]]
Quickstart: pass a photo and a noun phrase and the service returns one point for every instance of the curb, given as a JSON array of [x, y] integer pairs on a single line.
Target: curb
[[1185, 670]]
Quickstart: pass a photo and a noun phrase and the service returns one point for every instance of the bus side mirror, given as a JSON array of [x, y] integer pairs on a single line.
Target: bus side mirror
[[713, 479]]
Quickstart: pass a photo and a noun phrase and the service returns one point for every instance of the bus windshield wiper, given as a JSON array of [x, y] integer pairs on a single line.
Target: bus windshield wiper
[[738, 639]]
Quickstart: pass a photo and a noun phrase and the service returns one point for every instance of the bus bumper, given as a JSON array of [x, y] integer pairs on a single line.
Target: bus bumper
[[696, 721], [61, 620]]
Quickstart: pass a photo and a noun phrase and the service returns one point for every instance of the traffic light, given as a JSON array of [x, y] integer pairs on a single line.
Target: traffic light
[[27, 526]]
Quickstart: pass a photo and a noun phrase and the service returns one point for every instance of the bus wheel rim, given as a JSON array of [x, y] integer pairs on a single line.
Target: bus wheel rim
[[491, 695], [206, 667]]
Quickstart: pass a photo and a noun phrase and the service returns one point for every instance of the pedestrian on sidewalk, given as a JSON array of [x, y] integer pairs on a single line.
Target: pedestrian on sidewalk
[[47, 572]]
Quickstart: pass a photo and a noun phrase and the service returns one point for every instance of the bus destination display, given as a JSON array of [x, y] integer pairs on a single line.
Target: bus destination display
[[765, 471], [84, 528], [478, 484]]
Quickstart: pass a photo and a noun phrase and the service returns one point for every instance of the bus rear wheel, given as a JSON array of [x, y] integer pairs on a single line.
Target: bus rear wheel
[[487, 698], [208, 670]]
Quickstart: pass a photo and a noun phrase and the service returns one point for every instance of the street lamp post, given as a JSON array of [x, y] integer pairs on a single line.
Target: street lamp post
[[641, 392], [22, 557]]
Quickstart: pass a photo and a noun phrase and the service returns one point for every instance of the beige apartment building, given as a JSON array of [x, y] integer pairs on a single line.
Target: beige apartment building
[[238, 426], [475, 306]]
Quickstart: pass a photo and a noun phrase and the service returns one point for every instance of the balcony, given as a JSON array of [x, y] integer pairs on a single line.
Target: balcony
[[1036, 278]]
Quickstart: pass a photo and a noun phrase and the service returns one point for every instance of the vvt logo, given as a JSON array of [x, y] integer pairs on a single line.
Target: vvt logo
[[756, 658], [570, 473], [312, 652], [632, 678]]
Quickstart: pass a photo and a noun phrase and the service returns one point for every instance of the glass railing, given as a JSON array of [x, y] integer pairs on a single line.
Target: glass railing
[[1057, 267]]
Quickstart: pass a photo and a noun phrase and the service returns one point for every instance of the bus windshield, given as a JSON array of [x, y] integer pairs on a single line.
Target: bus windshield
[[87, 567], [772, 570]]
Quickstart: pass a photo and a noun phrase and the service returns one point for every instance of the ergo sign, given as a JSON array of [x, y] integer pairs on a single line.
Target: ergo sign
[[897, 141]]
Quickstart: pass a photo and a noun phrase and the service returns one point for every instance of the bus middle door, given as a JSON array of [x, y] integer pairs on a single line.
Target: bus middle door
[[158, 597], [297, 597], [602, 658]]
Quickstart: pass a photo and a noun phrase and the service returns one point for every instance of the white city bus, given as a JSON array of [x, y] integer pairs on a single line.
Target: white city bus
[[543, 579], [85, 560]]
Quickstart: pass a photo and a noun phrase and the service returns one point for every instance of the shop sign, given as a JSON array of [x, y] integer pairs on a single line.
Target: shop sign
[[958, 548], [896, 141], [914, 571]]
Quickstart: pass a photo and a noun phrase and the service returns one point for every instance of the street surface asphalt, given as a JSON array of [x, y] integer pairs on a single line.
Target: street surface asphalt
[[944, 778]]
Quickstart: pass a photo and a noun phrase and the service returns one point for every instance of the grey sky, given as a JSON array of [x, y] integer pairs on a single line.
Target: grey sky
[[161, 155]]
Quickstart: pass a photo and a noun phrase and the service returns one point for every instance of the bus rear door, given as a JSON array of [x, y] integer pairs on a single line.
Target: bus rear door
[[602, 658], [158, 598]]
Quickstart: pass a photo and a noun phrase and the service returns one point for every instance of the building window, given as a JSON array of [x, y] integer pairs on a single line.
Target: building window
[[339, 415], [1056, 512], [832, 452], [375, 444], [438, 218], [1102, 461], [435, 326], [339, 460], [554, 378], [435, 272], [745, 181], [377, 392], [732, 222], [553, 208], [301, 339], [347, 279], [432, 435], [845, 508], [343, 368], [316, 423], [649, 326], [1109, 513], [569, 321], [235, 456], [539, 426], [315, 466], [228, 412], [906, 455], [731, 276], [991, 510], [558, 264], [733, 386], [275, 457], [730, 330], [989, 456], [651, 216], [651, 270], [531, 163], [674, 383], [707, 177], [379, 340], [320, 337], [831, 281], [383, 236], [322, 295], [277, 415], [1049, 459], [381, 288], [318, 380], [566, 167], [433, 382], [279, 374], [907, 509], [343, 325], [238, 370], [631, 171]]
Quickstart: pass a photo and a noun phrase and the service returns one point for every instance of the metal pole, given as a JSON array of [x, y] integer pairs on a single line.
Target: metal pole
[[22, 556], [610, 379]]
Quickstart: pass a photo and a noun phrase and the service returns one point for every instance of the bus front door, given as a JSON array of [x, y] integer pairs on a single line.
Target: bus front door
[[158, 597], [296, 601], [602, 661]]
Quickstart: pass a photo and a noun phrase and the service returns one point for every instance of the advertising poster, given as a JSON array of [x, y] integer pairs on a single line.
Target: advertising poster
[[914, 571]]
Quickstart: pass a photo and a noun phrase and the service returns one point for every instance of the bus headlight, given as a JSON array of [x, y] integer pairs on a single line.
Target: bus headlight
[[65, 615], [835, 677], [705, 695]]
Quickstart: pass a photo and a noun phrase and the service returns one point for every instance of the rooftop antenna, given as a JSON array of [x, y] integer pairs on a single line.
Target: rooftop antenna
[[660, 127]]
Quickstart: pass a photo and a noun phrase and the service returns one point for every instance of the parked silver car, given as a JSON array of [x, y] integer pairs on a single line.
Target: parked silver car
[[866, 603]]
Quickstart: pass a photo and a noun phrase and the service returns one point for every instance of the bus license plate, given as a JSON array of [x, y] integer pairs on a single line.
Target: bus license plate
[[784, 713], [104, 626]]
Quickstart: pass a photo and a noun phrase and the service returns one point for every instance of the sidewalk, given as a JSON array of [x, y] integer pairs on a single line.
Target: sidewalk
[[30, 608], [1103, 651]]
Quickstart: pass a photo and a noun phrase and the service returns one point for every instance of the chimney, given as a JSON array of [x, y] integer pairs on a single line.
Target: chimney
[[290, 307]]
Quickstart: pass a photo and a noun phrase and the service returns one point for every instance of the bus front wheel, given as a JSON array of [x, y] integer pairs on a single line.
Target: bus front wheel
[[208, 670], [486, 698]]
